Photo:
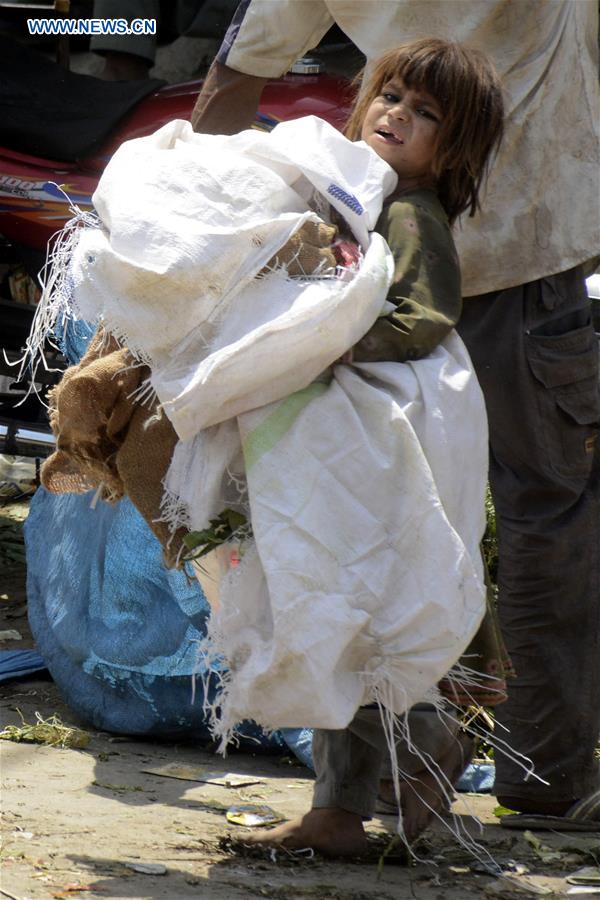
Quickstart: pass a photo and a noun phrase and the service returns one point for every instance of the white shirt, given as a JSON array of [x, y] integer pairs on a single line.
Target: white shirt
[[541, 208]]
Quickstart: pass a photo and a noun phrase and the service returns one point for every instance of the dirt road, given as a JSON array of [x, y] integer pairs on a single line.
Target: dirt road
[[75, 822]]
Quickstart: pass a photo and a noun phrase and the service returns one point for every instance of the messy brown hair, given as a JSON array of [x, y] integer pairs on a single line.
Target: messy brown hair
[[467, 89]]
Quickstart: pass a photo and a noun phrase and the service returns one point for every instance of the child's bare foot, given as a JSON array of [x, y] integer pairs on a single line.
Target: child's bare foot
[[422, 797], [328, 830]]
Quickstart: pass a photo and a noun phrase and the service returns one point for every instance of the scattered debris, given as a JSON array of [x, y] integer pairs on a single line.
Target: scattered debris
[[507, 885], [73, 888], [236, 846], [303, 853], [380, 851], [17, 478], [109, 867], [204, 775], [503, 811], [147, 868], [588, 875], [514, 867], [253, 815], [11, 634], [46, 731], [545, 853], [210, 806], [12, 548], [486, 867], [118, 787], [584, 889], [587, 846], [16, 612]]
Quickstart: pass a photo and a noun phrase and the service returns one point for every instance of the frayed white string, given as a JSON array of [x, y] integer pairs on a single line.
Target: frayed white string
[[465, 677], [145, 394], [396, 727], [174, 511], [472, 678], [97, 496], [123, 339], [213, 656], [56, 301]]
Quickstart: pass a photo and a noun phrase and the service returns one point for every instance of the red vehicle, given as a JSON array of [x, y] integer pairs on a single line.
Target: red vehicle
[[36, 190]]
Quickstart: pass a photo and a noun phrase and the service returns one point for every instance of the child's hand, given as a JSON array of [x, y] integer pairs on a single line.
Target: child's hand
[[347, 253], [307, 252], [346, 359]]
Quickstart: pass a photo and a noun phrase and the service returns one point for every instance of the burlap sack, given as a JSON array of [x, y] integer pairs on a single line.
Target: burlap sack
[[108, 442]]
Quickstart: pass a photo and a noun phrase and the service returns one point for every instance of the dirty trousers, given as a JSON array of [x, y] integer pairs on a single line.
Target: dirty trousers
[[536, 357], [350, 762]]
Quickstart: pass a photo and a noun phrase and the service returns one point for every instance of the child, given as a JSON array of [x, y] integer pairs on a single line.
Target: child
[[433, 110], [344, 584]]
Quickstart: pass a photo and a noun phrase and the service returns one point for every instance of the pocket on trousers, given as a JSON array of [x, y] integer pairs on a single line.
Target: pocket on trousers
[[566, 367]]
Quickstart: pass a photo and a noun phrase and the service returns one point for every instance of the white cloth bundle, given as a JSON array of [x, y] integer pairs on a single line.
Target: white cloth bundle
[[364, 581], [365, 486], [189, 221]]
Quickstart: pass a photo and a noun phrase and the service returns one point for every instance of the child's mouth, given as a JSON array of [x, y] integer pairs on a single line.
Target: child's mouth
[[388, 136]]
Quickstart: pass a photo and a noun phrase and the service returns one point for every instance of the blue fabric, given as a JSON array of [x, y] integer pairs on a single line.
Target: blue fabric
[[15, 664], [299, 740], [73, 339], [117, 629], [478, 778]]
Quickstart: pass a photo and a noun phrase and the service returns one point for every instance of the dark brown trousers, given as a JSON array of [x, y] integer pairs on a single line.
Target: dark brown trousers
[[536, 356]]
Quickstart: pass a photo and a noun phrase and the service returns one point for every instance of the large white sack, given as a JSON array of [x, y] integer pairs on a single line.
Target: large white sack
[[365, 578], [366, 490], [277, 335], [189, 220]]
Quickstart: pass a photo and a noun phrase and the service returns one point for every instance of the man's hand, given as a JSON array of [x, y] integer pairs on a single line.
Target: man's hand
[[227, 102]]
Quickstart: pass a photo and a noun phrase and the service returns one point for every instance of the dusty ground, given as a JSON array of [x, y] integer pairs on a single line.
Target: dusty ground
[[74, 819]]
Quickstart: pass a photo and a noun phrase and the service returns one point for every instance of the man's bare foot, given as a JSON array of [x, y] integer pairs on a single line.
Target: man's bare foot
[[422, 797], [328, 830]]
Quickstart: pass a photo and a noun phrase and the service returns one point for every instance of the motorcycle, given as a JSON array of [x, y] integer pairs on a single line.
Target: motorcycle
[[52, 155]]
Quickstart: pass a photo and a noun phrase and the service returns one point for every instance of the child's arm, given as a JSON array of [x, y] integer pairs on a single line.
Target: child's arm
[[426, 287]]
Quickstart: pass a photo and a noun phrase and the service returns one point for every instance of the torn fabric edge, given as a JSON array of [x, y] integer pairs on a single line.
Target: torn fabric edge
[[56, 303]]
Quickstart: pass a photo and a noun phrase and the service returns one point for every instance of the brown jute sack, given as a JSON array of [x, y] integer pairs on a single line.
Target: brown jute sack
[[108, 442]]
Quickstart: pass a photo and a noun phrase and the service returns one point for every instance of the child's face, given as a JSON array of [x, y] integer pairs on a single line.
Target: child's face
[[401, 125]]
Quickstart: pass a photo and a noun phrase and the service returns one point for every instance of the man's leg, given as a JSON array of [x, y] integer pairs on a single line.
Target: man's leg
[[536, 357]]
